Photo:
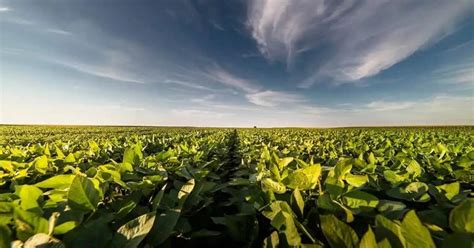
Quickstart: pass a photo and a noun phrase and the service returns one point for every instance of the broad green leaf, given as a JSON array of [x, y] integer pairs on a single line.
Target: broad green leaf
[[449, 190], [390, 206], [458, 240], [334, 186], [134, 231], [57, 182], [283, 221], [70, 159], [133, 155], [297, 179], [415, 234], [275, 187], [393, 177], [390, 230], [158, 197], [166, 222], [372, 159], [275, 207], [7, 166], [434, 216], [67, 221], [313, 173], [291, 232], [5, 236], [368, 240], [360, 201], [461, 218], [184, 191], [470, 155], [83, 195], [348, 213], [384, 244], [283, 162], [125, 166], [342, 168], [95, 233], [338, 233], [442, 149], [465, 162], [271, 241], [301, 163], [298, 201], [65, 227], [414, 168], [325, 202], [46, 150], [29, 196], [41, 164], [415, 191], [305, 231], [59, 153], [164, 226], [29, 223], [356, 180], [93, 146]]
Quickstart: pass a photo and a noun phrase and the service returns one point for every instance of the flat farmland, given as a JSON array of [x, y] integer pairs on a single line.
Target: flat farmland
[[67, 186]]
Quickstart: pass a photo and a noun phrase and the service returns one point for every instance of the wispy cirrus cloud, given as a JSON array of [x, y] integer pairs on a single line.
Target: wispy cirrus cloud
[[363, 38], [110, 68], [254, 93], [19, 20], [192, 85], [223, 76], [5, 9], [58, 31], [462, 73], [270, 98], [103, 71], [204, 99], [388, 106]]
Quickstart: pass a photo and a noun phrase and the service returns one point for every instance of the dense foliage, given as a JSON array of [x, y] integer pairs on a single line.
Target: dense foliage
[[148, 187]]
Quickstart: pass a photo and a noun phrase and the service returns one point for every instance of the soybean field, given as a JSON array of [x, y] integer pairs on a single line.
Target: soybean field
[[78, 186]]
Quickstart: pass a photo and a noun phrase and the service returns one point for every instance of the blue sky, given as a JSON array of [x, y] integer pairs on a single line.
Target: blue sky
[[268, 63]]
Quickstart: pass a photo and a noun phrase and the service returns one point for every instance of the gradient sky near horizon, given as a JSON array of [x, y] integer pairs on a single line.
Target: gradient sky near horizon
[[268, 63]]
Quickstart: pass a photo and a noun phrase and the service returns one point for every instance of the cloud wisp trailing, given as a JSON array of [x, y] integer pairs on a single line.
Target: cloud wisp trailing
[[462, 73], [4, 9], [254, 93], [270, 98], [363, 38], [218, 74]]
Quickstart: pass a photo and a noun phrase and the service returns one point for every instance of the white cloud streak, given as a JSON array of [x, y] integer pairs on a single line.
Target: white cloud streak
[[269, 98], [456, 74], [5, 8], [107, 71], [189, 85], [58, 31], [253, 93], [363, 37], [388, 106], [220, 75]]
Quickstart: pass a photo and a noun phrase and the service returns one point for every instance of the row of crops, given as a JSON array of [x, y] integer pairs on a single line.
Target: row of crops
[[188, 187]]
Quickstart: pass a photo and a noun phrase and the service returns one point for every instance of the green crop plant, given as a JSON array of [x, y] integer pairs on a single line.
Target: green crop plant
[[195, 187]]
